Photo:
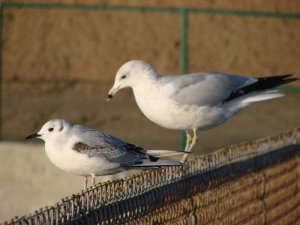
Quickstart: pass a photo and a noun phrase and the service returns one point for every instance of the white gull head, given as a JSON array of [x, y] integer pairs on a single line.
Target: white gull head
[[130, 74], [52, 130]]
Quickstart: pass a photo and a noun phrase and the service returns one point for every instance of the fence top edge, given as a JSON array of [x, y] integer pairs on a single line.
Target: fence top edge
[[198, 164], [176, 9]]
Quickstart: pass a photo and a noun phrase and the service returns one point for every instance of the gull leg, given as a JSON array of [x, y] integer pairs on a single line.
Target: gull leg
[[187, 146], [93, 179], [194, 141], [184, 158], [188, 140], [85, 182]]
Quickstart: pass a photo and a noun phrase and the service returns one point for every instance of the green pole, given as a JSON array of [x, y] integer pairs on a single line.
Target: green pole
[[1, 65], [184, 28]]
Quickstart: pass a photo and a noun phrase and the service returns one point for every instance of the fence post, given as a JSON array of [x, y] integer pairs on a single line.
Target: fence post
[[184, 49], [1, 65]]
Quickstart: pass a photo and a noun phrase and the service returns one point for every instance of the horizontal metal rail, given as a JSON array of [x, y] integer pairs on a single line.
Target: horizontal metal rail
[[238, 12]]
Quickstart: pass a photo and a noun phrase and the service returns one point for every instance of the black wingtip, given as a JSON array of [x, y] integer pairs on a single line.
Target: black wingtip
[[153, 158], [290, 80], [263, 83]]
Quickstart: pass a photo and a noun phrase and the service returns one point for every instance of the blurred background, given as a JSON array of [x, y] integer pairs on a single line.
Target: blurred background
[[58, 59]]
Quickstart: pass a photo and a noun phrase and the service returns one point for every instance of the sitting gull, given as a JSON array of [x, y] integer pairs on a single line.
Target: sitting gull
[[87, 152]]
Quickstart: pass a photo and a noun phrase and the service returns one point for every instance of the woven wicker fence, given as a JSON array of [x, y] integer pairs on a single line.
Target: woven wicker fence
[[249, 183]]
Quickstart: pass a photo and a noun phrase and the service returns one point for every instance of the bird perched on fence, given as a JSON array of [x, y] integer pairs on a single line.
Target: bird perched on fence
[[195, 101], [87, 152]]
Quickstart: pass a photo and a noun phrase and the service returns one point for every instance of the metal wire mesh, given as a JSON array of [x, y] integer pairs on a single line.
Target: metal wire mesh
[[249, 183]]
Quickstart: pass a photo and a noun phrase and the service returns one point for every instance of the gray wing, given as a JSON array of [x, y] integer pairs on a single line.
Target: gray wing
[[99, 144], [203, 88]]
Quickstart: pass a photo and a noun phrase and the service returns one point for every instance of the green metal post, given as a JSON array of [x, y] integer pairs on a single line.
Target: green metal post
[[184, 48], [1, 65]]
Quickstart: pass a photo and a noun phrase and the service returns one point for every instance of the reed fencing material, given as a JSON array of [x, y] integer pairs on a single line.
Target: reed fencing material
[[255, 182]]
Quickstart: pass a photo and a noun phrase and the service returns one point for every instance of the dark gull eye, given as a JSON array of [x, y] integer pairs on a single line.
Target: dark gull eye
[[50, 129], [123, 77]]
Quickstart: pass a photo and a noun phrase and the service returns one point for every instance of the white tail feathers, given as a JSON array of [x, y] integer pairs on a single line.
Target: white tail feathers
[[239, 103], [163, 153], [263, 96]]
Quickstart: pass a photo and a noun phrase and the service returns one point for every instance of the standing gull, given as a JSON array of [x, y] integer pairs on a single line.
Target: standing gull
[[87, 152], [195, 101]]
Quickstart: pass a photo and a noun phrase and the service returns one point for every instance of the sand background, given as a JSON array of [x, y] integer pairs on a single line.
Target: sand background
[[61, 63]]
